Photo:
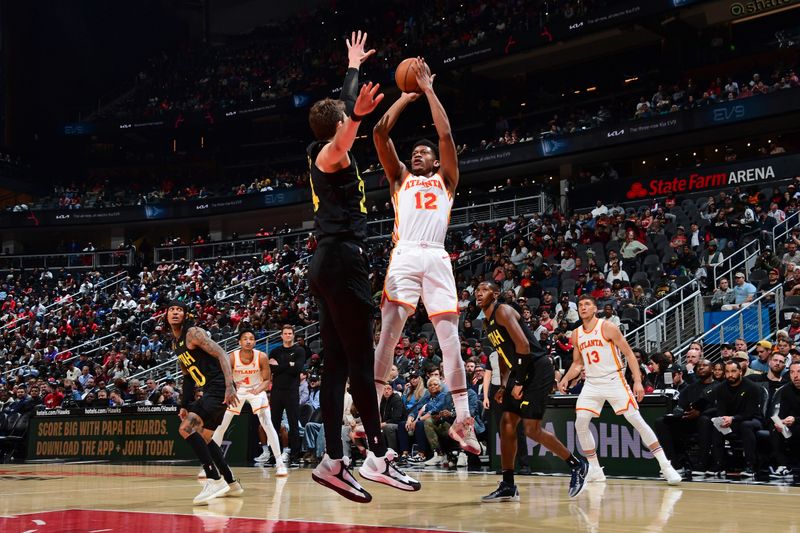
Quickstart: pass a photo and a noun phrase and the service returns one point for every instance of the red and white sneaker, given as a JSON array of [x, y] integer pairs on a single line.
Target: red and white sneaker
[[464, 434], [335, 474]]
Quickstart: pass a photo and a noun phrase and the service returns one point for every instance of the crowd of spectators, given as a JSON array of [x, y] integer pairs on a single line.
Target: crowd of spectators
[[286, 58]]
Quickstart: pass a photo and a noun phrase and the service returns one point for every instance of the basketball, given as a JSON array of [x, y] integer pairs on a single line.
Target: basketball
[[406, 76]]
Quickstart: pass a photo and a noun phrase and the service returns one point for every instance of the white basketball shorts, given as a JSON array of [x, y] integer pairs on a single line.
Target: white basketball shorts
[[421, 270]]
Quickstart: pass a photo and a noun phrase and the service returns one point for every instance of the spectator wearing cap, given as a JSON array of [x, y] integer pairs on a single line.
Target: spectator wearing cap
[[726, 352], [679, 239], [763, 351], [744, 293], [767, 260], [566, 309], [549, 279], [772, 282], [741, 357]]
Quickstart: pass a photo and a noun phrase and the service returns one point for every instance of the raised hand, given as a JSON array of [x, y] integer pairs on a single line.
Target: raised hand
[[368, 99], [355, 49], [424, 76]]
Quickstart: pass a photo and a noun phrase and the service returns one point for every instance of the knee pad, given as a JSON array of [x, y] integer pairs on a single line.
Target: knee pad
[[634, 417], [585, 438]]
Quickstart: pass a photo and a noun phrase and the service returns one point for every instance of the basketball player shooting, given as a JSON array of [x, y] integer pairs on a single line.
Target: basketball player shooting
[[339, 279], [423, 197], [597, 346], [252, 376], [530, 383]]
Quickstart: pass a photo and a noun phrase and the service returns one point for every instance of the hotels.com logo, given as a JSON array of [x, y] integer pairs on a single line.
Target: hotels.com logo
[[698, 182]]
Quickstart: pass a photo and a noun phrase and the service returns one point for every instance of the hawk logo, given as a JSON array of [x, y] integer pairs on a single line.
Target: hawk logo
[[637, 191]]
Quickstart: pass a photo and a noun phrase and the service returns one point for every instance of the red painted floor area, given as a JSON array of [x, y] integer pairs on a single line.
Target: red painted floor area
[[89, 521]]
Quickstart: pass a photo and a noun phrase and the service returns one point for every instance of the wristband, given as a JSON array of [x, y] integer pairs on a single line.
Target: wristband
[[355, 117]]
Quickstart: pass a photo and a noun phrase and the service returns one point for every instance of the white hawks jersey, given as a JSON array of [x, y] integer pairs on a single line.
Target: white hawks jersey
[[422, 209], [600, 356], [247, 376]]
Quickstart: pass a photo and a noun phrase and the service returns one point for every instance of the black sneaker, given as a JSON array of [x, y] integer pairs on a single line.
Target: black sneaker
[[747, 473], [578, 479], [335, 474], [503, 493]]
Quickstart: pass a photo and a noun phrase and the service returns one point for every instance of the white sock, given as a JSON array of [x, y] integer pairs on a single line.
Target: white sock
[[461, 403], [661, 457], [265, 448]]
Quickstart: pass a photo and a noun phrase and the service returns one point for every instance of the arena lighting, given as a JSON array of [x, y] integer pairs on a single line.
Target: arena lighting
[[629, 80], [644, 162], [764, 14], [590, 89], [523, 104], [716, 150], [577, 92], [748, 145], [694, 154]]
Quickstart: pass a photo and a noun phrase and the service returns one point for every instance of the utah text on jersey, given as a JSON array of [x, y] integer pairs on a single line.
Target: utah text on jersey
[[187, 360]]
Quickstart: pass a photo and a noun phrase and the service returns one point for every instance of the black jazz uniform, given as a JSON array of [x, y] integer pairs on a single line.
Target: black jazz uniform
[[540, 376], [339, 278], [204, 371]]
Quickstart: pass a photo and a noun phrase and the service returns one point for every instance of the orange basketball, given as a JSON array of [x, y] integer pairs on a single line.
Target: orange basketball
[[406, 76]]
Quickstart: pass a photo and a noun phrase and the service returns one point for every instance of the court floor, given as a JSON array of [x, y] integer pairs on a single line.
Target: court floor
[[71, 498]]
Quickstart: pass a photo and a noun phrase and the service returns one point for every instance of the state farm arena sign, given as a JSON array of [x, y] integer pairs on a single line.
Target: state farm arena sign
[[754, 173], [696, 182]]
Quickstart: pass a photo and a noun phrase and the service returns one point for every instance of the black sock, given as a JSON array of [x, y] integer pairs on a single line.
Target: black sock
[[201, 451], [508, 477], [219, 461], [572, 461]]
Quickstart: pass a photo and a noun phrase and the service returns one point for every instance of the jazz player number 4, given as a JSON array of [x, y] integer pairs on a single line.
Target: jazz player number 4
[[598, 347], [420, 267]]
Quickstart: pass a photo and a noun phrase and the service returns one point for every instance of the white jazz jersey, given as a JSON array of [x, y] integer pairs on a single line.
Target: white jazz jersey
[[605, 373], [420, 266], [422, 209]]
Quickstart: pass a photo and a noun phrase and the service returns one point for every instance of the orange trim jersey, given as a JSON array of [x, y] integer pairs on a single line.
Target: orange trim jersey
[[601, 358], [247, 376], [422, 209]]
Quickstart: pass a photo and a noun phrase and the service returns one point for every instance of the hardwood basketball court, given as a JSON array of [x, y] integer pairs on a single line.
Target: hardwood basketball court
[[152, 499]]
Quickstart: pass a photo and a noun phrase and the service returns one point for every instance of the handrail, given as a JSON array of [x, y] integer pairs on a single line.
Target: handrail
[[675, 310], [741, 265], [67, 261], [786, 223], [776, 292], [461, 216]]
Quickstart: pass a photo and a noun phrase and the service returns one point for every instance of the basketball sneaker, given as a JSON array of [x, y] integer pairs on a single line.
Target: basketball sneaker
[[503, 493], [281, 470], [384, 470], [437, 460], [462, 459], [595, 474], [335, 474], [264, 457], [578, 480], [671, 475], [464, 434], [201, 474], [236, 488], [212, 488]]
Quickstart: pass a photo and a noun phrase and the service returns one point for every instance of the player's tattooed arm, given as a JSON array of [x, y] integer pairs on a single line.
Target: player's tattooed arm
[[198, 338]]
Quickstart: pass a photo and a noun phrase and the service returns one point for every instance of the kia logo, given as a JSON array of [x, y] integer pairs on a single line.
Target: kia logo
[[616, 133], [204, 206]]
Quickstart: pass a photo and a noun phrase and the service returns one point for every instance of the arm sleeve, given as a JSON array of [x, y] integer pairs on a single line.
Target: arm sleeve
[[349, 91]]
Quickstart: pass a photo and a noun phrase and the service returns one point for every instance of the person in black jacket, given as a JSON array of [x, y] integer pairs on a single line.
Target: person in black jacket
[[787, 402], [286, 362], [739, 403], [392, 414], [692, 416]]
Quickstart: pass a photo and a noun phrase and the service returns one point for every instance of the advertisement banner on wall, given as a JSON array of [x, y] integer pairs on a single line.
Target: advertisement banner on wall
[[122, 434], [758, 173], [619, 446]]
